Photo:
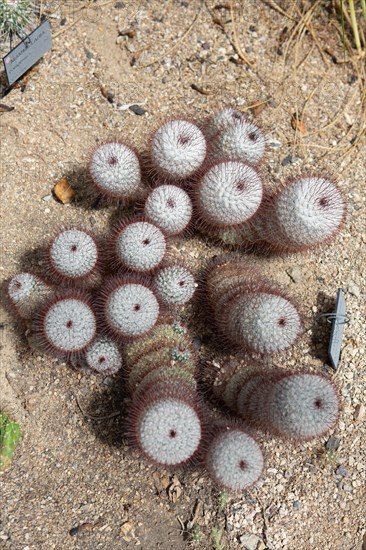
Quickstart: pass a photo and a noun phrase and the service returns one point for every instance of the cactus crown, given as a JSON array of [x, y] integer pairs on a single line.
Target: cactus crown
[[170, 208], [178, 149], [103, 356], [174, 285], [73, 253]]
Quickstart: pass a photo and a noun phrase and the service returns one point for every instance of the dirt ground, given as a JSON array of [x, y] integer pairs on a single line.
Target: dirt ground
[[74, 482]]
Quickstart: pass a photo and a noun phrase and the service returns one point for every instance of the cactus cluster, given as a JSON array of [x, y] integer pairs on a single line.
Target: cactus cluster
[[108, 302]]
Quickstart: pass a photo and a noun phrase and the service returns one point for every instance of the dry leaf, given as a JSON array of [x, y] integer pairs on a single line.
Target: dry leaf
[[298, 124], [63, 191]]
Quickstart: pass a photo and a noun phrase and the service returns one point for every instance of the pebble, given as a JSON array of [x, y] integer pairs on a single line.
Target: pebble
[[137, 110], [359, 412], [250, 542], [119, 5], [275, 144], [342, 471], [333, 443], [289, 160], [354, 289], [296, 505], [295, 274]]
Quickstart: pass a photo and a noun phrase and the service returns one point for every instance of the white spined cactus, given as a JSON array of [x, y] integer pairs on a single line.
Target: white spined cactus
[[178, 149], [234, 459], [130, 309], [305, 213], [140, 246], [103, 356], [228, 194], [262, 322], [67, 325], [115, 171], [174, 285], [15, 18], [168, 430], [27, 293], [170, 208], [222, 120], [73, 256]]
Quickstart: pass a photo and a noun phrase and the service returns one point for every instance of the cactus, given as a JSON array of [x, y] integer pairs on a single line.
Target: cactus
[[73, 257], [298, 406], [174, 285], [115, 172], [66, 325], [129, 307], [103, 356], [222, 120], [305, 213], [27, 293], [15, 17], [233, 457], [9, 436], [252, 312], [228, 194], [138, 245], [166, 425], [170, 208], [178, 150]]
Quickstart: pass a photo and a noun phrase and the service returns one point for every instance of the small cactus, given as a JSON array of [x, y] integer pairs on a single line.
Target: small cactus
[[129, 307], [73, 257], [66, 325], [115, 172], [298, 406], [9, 436], [138, 245], [170, 208], [27, 293], [305, 213], [166, 425], [233, 458], [15, 17], [237, 138], [222, 120], [228, 194], [103, 356], [178, 150], [174, 285]]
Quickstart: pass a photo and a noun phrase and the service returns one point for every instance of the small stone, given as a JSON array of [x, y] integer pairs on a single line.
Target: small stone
[[252, 28], [250, 542], [126, 531], [275, 144], [290, 160], [137, 110], [88, 53], [205, 46], [333, 443], [342, 471], [296, 505], [359, 412], [46, 198], [119, 5], [63, 191], [295, 274], [354, 289]]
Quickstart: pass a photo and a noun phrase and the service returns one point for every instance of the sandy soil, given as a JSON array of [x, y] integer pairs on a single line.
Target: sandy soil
[[74, 483]]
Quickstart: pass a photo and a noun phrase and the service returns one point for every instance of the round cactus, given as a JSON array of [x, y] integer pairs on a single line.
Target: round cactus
[[66, 325], [27, 293], [115, 171], [305, 213], [130, 309], [139, 246], [238, 139], [103, 356], [174, 285], [73, 257], [297, 406], [234, 459], [178, 150], [170, 208], [228, 194], [15, 16], [222, 120], [166, 428]]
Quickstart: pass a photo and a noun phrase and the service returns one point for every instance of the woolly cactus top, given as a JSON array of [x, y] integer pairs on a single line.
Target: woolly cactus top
[[222, 120], [306, 212], [240, 140], [178, 149], [103, 356], [265, 323], [68, 325], [303, 406], [170, 208], [27, 291], [73, 253], [131, 310], [229, 193], [115, 170], [169, 431], [140, 246], [174, 285], [234, 459]]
